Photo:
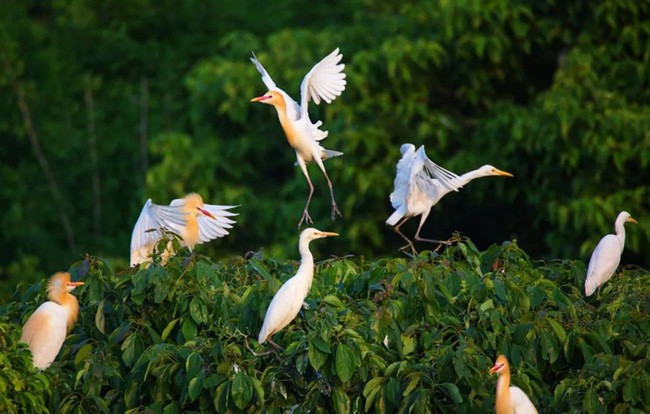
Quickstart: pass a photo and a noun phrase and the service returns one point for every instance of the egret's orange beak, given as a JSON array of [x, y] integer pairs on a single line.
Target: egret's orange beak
[[631, 220], [261, 98], [75, 284], [206, 212], [327, 234], [495, 368], [503, 173]]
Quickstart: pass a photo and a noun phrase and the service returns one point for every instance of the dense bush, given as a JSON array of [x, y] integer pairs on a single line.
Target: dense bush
[[393, 335]]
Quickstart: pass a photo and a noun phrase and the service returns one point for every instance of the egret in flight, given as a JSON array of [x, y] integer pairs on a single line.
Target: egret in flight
[[607, 255], [325, 81], [509, 400], [188, 217], [287, 301], [420, 184], [48, 326]]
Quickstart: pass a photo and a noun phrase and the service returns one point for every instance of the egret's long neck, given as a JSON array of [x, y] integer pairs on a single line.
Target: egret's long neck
[[69, 302], [502, 404], [620, 231], [306, 261], [467, 177]]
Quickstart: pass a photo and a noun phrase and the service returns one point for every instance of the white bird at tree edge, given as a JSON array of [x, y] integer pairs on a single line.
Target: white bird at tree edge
[[420, 184], [47, 327], [286, 303], [325, 81], [509, 399], [607, 255], [194, 221]]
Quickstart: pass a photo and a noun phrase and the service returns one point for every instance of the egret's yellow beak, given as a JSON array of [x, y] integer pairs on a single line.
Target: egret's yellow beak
[[75, 284], [495, 368], [503, 173], [261, 98], [206, 212], [631, 220], [327, 233]]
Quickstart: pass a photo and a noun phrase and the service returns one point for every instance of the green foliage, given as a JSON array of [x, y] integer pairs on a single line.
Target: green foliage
[[393, 335]]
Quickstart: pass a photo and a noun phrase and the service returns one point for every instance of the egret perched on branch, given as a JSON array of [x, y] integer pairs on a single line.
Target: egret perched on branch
[[48, 326], [509, 400], [420, 184], [325, 81], [607, 255], [287, 301], [188, 217]]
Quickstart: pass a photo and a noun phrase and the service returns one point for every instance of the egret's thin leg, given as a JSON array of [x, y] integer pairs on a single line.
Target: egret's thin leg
[[305, 214], [417, 233], [276, 346], [335, 209], [410, 243]]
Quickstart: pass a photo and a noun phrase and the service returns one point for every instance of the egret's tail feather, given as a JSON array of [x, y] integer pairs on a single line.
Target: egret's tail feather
[[331, 154], [394, 218]]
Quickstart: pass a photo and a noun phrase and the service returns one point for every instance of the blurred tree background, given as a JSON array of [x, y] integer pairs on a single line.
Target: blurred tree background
[[107, 103]]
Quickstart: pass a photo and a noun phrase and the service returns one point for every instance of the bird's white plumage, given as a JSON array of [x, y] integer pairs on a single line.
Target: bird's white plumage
[[607, 255], [325, 81], [154, 218], [286, 303], [293, 110], [521, 404], [45, 333]]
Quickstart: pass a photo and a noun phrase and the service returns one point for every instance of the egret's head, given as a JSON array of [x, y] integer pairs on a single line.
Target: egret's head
[[625, 217], [312, 234], [500, 365], [406, 148], [194, 204], [488, 170], [60, 283], [270, 98]]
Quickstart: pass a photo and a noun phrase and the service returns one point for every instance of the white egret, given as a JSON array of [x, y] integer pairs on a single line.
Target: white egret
[[47, 327], [607, 255], [188, 217], [325, 81], [287, 301], [509, 400], [420, 184]]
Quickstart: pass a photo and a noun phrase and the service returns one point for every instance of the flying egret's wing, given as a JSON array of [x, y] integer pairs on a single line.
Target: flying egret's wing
[[402, 178], [521, 402], [210, 228], [265, 76], [431, 169], [604, 261], [146, 232], [325, 81]]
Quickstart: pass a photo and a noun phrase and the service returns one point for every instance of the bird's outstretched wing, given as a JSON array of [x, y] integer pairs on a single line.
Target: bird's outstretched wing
[[210, 228], [146, 232], [521, 402], [266, 78], [432, 170], [325, 81], [402, 177]]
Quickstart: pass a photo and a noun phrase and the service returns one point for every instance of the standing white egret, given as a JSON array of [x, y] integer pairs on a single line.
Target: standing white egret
[[46, 329], [287, 301], [420, 184], [325, 81], [509, 400], [607, 255], [188, 217]]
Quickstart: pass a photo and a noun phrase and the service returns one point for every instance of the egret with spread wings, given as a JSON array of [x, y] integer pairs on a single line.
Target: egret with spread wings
[[190, 218], [325, 81], [420, 184], [607, 255]]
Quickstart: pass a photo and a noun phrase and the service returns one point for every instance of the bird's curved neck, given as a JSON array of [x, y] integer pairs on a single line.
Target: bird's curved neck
[[502, 404], [70, 303], [620, 230], [306, 261], [467, 177]]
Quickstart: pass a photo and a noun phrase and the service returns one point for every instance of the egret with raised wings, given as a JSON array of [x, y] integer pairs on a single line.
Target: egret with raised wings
[[420, 184], [607, 255], [325, 81], [190, 218], [287, 301], [46, 329], [509, 400]]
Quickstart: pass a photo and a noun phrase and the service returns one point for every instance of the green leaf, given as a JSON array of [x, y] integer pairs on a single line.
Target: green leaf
[[260, 268], [333, 301], [99, 317], [198, 310], [453, 392], [241, 390], [168, 329], [196, 386], [557, 328], [344, 362], [340, 401], [316, 357], [189, 329], [82, 355], [591, 404], [193, 364]]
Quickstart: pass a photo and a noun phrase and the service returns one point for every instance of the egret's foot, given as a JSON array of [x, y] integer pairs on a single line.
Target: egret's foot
[[306, 218], [335, 211], [412, 247], [276, 346], [445, 242]]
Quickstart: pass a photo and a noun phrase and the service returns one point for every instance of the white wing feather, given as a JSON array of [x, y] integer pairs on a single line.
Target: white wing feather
[[603, 263], [325, 81], [398, 196], [293, 110], [146, 232], [433, 170], [209, 228], [520, 401]]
